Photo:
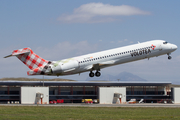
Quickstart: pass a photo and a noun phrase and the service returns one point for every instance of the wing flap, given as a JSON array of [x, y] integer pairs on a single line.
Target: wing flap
[[98, 66]]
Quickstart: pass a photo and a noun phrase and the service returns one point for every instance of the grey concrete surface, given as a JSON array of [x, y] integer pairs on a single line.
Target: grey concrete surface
[[99, 105]]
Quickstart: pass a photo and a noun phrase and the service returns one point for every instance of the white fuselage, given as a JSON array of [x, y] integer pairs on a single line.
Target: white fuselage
[[99, 60]]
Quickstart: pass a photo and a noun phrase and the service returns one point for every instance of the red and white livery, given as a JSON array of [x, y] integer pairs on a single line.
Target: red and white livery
[[93, 61]]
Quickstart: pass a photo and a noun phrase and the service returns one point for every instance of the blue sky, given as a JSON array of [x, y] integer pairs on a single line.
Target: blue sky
[[61, 29]]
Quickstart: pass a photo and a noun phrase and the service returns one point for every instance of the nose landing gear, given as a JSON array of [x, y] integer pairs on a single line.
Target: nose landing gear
[[169, 57]]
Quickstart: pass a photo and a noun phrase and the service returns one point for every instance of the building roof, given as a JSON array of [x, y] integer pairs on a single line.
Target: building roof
[[82, 83]]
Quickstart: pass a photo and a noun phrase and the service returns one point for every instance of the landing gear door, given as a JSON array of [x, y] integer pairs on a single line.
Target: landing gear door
[[160, 47], [78, 63]]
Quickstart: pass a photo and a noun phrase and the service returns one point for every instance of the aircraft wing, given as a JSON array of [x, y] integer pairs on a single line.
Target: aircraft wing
[[108, 63], [100, 65]]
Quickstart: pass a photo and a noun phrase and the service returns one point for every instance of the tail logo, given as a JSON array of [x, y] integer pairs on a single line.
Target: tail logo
[[37, 64], [29, 58]]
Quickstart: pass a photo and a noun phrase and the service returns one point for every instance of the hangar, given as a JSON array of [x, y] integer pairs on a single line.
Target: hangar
[[30, 92]]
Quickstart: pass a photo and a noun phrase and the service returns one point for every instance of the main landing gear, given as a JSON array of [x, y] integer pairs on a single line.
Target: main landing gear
[[97, 74], [169, 57]]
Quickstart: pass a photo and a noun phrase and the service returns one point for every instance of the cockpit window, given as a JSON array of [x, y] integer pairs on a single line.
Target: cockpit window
[[165, 42]]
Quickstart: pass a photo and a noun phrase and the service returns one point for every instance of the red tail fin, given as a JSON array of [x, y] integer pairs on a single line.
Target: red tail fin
[[29, 58]]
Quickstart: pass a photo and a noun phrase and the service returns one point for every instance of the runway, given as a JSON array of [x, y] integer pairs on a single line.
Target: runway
[[98, 105]]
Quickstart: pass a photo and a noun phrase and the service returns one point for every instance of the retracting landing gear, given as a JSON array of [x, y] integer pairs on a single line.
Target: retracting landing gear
[[97, 74], [169, 57], [91, 74]]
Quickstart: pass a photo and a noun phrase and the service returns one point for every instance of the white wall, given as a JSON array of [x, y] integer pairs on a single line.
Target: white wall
[[176, 94], [28, 95], [106, 94]]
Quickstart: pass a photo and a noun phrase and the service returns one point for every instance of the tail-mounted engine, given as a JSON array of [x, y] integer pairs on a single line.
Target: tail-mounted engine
[[43, 70]]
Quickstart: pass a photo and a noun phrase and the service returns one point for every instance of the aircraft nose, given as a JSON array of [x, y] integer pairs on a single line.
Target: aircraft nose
[[174, 47]]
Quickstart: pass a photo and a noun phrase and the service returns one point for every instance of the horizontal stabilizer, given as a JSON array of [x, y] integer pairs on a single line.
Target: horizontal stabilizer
[[7, 56], [18, 52]]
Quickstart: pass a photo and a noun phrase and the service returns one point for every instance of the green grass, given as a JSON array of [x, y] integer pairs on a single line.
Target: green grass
[[91, 113]]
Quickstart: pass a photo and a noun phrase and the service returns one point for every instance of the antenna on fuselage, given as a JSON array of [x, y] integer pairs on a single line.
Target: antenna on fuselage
[[138, 42]]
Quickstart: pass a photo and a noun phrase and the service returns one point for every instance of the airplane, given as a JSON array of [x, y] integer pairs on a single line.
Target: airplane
[[94, 61]]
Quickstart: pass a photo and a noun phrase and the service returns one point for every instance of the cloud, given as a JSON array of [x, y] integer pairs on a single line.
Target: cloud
[[99, 12], [131, 42]]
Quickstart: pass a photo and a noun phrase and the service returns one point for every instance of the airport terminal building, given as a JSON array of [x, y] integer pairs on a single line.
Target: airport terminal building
[[39, 92]]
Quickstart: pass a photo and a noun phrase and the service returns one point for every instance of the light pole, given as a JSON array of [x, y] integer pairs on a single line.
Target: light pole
[[43, 80]]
